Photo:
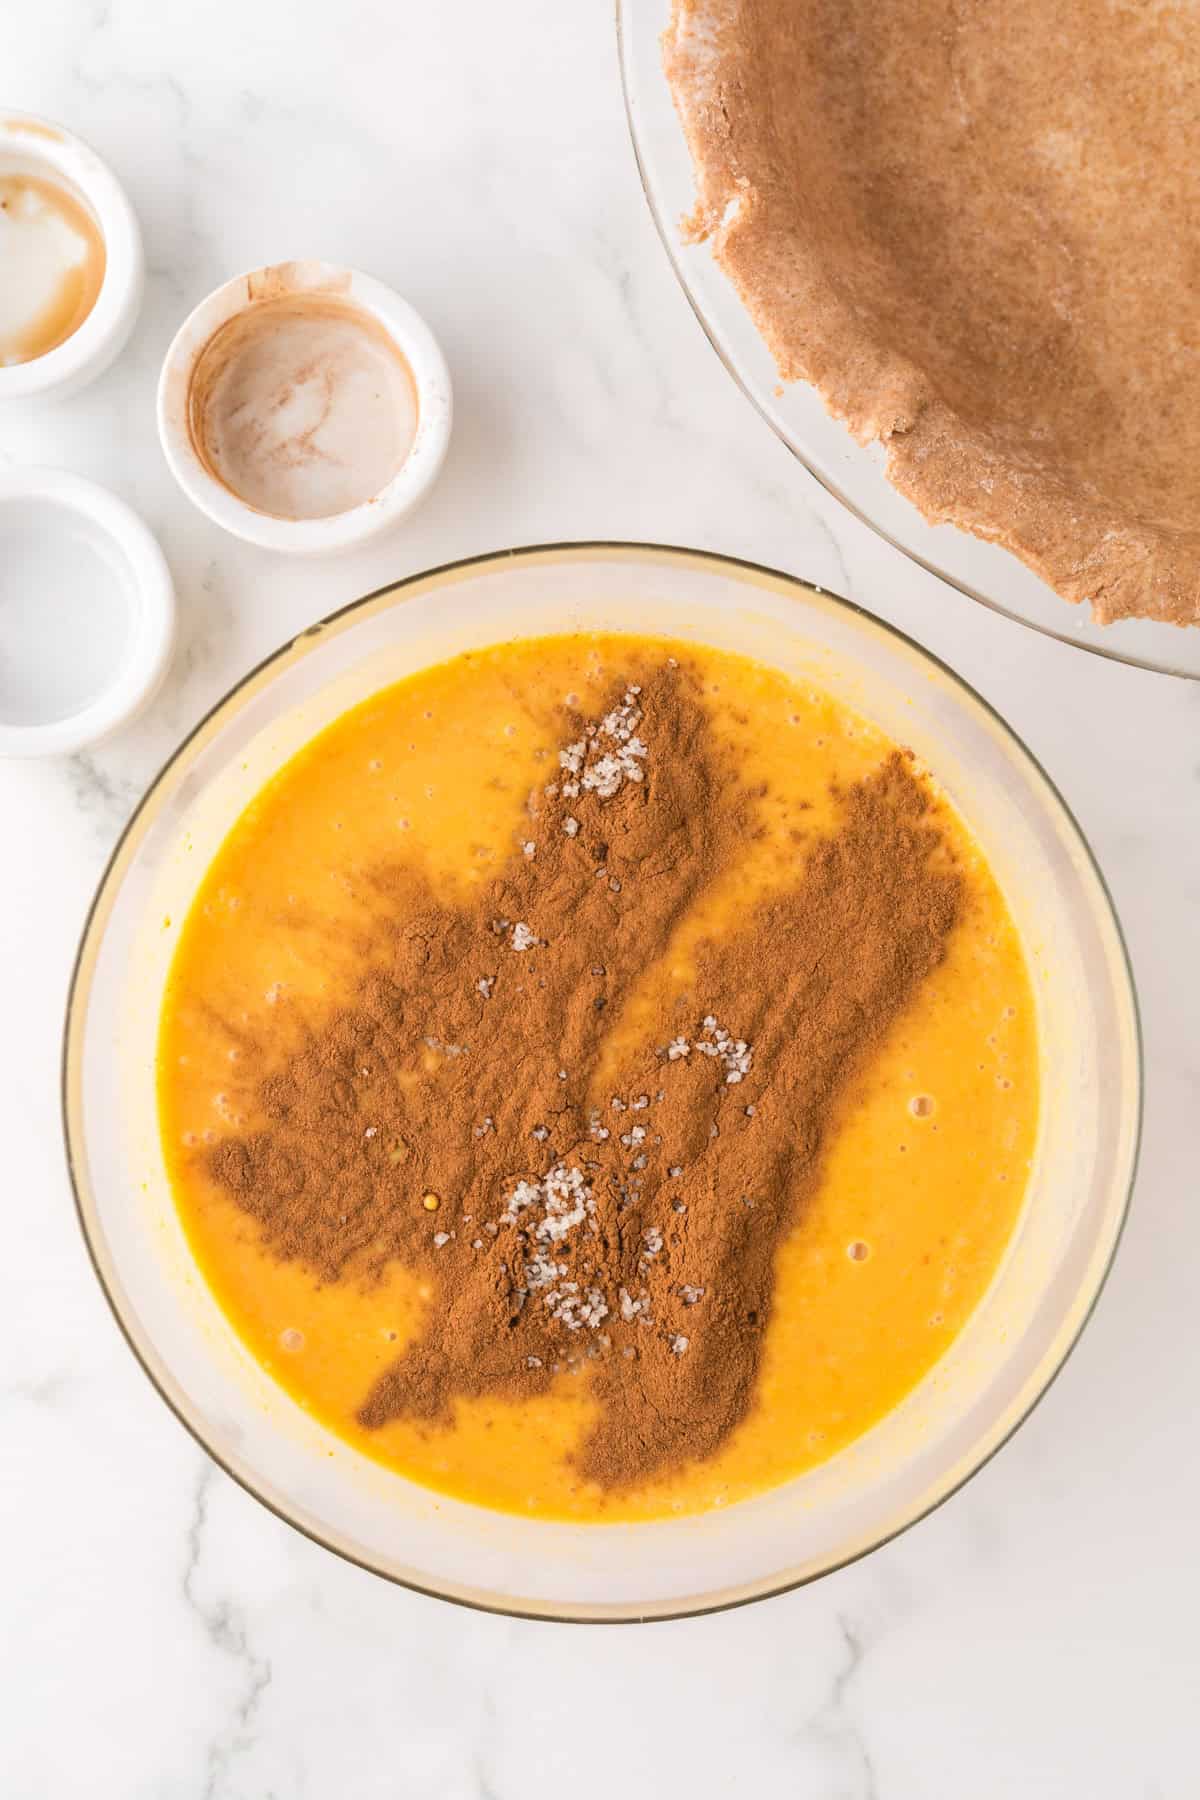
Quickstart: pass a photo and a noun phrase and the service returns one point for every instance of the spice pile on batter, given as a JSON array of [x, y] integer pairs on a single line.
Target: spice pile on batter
[[469, 1118]]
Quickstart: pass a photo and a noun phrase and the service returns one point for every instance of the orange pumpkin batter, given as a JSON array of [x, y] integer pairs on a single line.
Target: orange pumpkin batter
[[921, 1187]]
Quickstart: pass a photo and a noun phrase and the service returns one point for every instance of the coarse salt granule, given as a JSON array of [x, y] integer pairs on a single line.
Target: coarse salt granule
[[542, 1271], [526, 1193], [522, 937], [735, 1055], [595, 1308], [605, 773]]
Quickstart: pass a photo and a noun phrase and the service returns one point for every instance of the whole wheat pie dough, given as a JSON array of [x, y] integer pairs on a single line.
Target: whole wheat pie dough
[[976, 229]]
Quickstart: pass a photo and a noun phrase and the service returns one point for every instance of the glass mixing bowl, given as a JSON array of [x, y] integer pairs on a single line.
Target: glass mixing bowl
[[992, 1374], [854, 474]]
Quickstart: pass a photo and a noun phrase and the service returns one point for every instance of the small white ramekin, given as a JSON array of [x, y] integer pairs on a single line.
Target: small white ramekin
[[55, 503], [415, 342], [33, 146]]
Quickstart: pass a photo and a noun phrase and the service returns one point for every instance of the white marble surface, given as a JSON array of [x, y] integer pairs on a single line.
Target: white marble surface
[[163, 1637]]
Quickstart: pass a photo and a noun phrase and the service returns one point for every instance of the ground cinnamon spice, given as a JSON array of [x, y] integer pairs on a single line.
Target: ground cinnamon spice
[[575, 1210]]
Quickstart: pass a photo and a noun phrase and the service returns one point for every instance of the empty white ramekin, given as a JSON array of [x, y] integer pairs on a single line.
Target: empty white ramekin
[[33, 146], [88, 608], [415, 342]]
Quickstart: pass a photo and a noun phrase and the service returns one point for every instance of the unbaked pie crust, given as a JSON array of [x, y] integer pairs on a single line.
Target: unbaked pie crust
[[976, 230]]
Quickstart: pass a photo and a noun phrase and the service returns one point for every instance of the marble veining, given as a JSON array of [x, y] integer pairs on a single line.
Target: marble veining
[[224, 1624], [165, 1637]]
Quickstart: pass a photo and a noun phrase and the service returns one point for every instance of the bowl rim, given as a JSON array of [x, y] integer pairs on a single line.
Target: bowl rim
[[808, 460], [306, 640]]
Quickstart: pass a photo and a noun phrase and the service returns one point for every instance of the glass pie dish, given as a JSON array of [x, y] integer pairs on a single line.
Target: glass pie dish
[[853, 473], [992, 1374]]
